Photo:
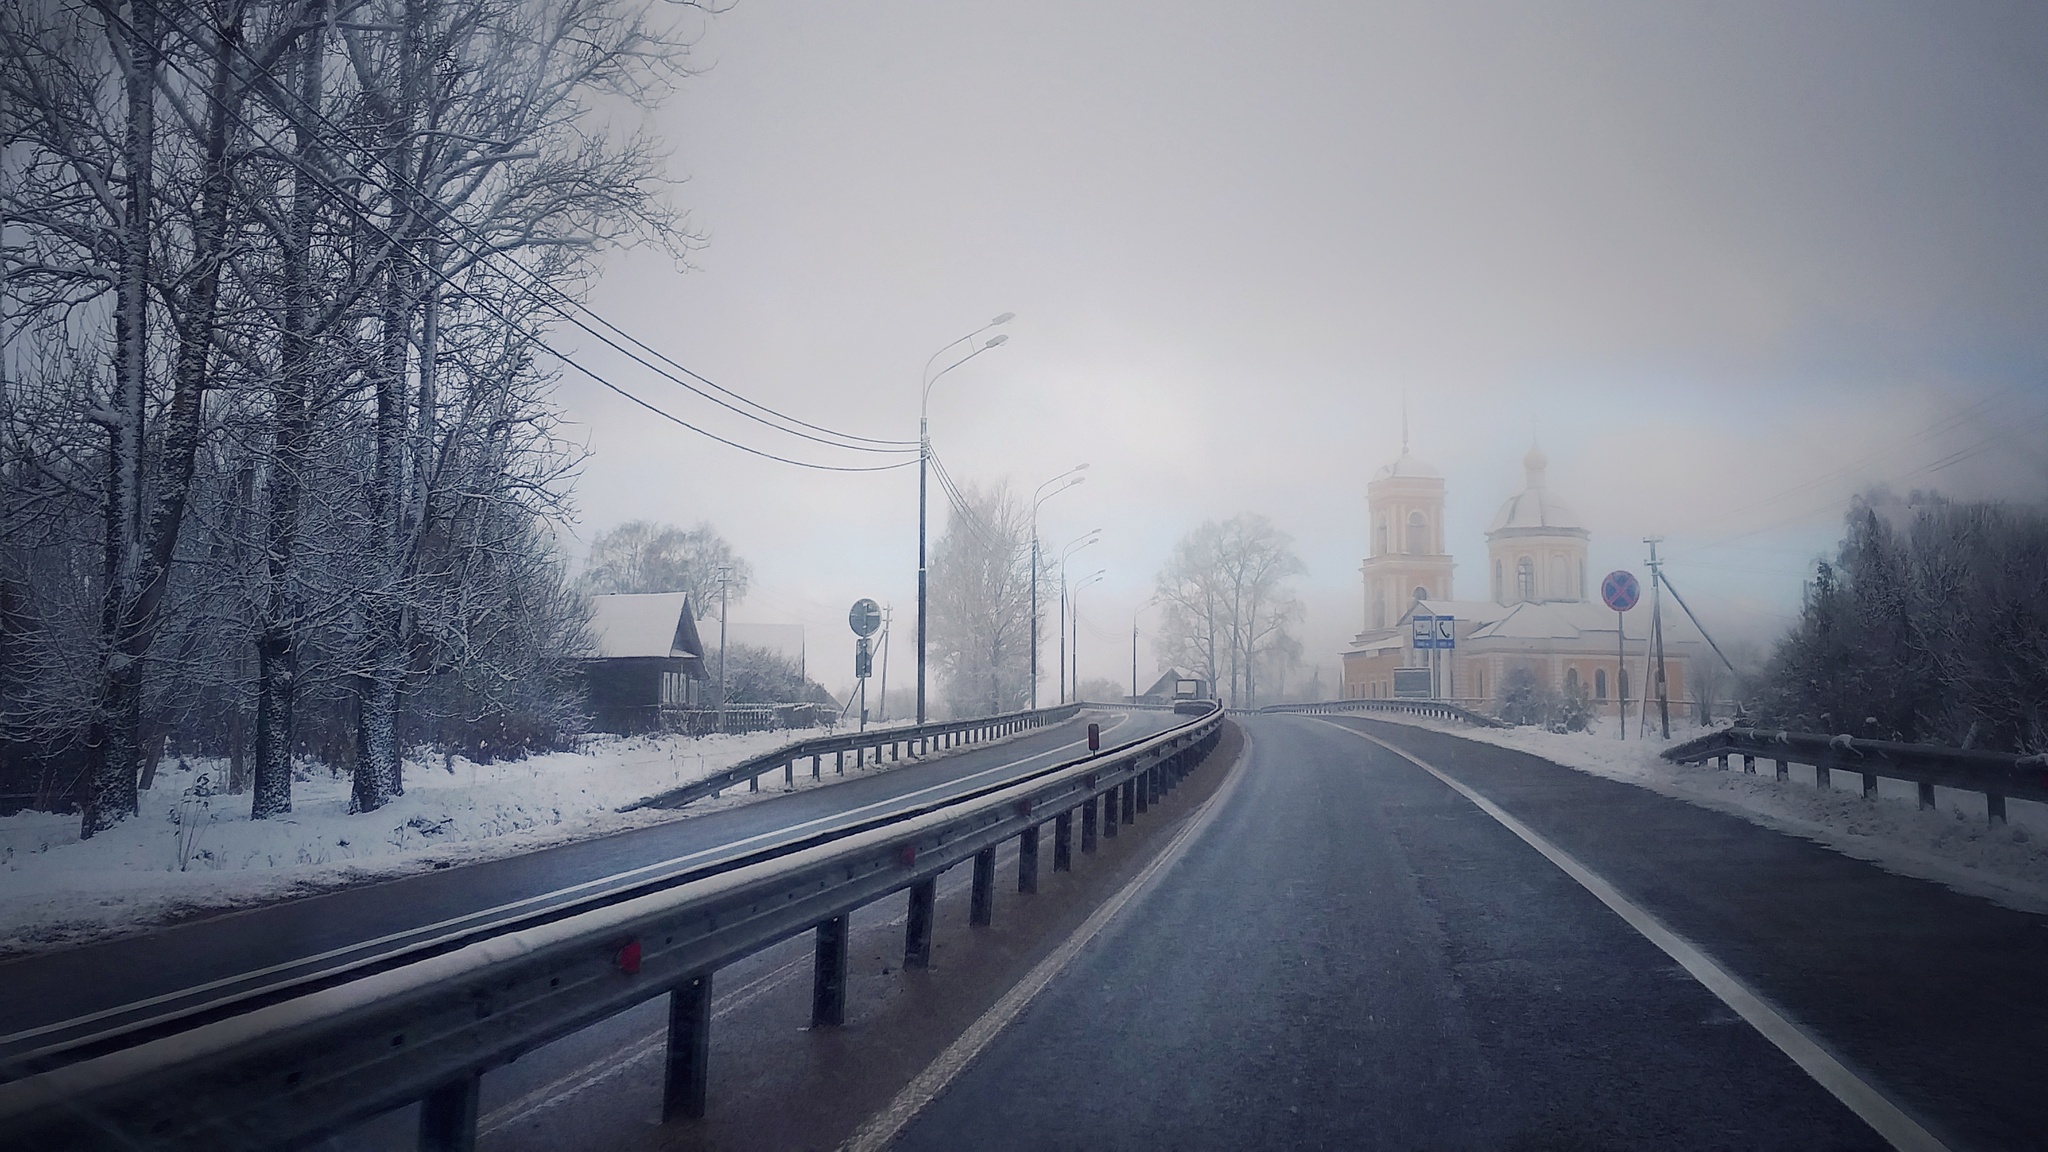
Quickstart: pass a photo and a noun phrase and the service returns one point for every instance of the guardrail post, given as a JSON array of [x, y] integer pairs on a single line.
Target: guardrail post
[[1724, 762], [1748, 764], [1869, 785], [817, 766], [1063, 842], [1784, 770], [789, 775], [1109, 807], [1926, 795], [982, 908], [1088, 826], [917, 925], [1994, 808], [689, 1048], [754, 782], [828, 975], [839, 762], [1027, 860], [1130, 802], [1138, 790], [895, 752], [448, 1117]]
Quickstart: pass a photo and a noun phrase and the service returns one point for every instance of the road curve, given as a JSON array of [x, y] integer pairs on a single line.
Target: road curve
[[1353, 955]]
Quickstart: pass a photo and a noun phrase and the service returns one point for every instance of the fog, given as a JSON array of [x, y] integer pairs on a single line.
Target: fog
[[1728, 264]]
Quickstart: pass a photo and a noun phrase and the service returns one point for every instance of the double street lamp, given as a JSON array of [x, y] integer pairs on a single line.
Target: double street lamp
[[1074, 649], [1073, 546], [924, 456], [1072, 477]]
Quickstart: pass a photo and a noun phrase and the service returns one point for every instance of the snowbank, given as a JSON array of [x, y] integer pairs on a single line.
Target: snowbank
[[1951, 843], [195, 850]]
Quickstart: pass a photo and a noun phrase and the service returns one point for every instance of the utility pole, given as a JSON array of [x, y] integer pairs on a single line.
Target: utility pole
[[888, 612], [1657, 631], [1034, 608], [1063, 635], [1134, 659], [724, 576]]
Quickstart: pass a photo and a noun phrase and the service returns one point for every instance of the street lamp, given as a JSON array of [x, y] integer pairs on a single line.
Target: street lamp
[[1075, 648], [1072, 476], [1073, 546], [1134, 644], [924, 456]]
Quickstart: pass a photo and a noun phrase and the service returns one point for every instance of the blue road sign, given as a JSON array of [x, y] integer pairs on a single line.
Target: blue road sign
[[1424, 633], [1620, 591]]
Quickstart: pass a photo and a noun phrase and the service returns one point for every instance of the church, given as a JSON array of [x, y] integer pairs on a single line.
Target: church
[[1542, 612]]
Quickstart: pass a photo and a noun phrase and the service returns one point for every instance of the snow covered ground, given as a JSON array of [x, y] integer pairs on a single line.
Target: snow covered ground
[[195, 849], [1951, 843]]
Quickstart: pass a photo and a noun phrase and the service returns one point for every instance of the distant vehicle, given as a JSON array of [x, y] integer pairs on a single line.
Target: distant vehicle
[[1190, 707]]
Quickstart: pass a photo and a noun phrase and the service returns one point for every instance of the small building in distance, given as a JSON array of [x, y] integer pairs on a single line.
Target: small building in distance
[[1538, 617], [1175, 683], [648, 657]]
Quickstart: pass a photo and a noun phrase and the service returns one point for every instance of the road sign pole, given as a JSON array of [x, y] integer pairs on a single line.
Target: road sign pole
[[1620, 677]]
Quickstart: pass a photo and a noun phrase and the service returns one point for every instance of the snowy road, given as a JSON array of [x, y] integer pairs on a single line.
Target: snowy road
[[1353, 954], [77, 991]]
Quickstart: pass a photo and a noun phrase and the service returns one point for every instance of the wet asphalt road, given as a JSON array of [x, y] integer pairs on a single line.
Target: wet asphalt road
[[65, 984], [1354, 956]]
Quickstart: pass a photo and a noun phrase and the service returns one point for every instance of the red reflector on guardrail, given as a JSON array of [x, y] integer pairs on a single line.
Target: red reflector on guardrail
[[909, 855], [628, 958]]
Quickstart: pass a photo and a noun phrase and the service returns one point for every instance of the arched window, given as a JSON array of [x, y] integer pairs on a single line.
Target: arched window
[[1571, 681], [1580, 594], [1418, 534], [1421, 593], [1600, 683], [1382, 550], [1525, 579], [1556, 589]]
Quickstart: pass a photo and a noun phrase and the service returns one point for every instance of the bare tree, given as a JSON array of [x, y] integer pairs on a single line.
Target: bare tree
[[980, 591], [1227, 585], [642, 556]]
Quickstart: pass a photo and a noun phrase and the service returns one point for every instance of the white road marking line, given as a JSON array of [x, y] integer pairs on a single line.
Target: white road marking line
[[360, 945], [882, 1129], [1859, 1095]]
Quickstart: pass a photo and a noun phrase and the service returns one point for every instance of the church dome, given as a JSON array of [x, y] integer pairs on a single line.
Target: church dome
[[1534, 508], [1408, 467]]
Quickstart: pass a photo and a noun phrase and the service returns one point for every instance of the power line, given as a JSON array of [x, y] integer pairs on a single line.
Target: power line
[[555, 300]]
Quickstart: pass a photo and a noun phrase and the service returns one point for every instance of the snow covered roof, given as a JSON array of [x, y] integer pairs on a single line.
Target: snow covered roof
[[644, 624], [1406, 467], [1534, 507]]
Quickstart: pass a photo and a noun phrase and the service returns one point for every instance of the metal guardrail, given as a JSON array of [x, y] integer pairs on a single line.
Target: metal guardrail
[[1433, 709], [914, 741], [294, 1070], [1996, 774]]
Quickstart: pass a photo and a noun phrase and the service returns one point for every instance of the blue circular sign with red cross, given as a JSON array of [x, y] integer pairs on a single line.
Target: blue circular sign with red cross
[[1620, 590]]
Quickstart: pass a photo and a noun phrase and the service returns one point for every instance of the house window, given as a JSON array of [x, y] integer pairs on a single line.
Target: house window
[[1418, 534], [1525, 579], [1600, 683]]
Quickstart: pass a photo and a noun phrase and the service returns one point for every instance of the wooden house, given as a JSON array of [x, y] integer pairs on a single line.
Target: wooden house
[[648, 658]]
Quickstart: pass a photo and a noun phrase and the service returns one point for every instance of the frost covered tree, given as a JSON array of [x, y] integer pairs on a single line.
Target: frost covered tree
[[980, 590], [642, 556], [1230, 604]]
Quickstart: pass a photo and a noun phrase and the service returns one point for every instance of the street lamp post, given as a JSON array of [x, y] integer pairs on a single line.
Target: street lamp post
[[1072, 477], [924, 456], [1075, 648], [1073, 546], [1134, 645]]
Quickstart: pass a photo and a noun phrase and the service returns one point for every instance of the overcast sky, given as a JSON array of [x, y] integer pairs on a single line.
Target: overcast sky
[[1728, 263]]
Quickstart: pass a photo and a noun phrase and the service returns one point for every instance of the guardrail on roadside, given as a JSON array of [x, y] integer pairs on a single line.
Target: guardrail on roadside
[[915, 740], [1433, 709], [298, 1068], [1996, 774]]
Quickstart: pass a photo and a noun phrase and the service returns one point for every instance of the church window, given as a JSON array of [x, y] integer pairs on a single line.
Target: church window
[[1525, 579], [1571, 681], [1382, 550], [1600, 683], [1418, 534], [1421, 593]]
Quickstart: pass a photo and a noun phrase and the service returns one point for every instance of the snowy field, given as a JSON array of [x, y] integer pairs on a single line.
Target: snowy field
[[194, 850], [1951, 843]]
